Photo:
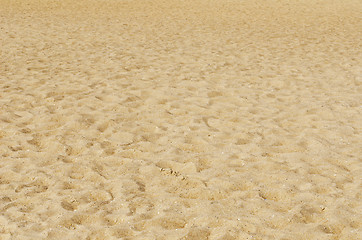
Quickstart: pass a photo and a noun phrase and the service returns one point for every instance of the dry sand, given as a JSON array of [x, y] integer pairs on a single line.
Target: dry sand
[[185, 119]]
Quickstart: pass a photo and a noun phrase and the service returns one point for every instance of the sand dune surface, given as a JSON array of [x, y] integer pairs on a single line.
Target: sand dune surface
[[166, 119]]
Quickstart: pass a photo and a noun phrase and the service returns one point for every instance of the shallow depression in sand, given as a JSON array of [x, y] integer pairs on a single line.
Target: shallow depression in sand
[[168, 119]]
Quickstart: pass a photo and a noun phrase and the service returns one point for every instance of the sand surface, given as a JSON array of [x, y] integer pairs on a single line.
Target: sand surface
[[165, 119]]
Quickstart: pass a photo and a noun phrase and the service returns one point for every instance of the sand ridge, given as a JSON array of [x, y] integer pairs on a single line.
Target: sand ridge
[[166, 119]]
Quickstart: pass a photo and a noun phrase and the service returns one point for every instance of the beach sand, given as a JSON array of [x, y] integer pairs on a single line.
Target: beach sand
[[165, 119]]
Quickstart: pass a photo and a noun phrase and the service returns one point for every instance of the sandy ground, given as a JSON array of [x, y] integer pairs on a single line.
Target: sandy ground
[[184, 120]]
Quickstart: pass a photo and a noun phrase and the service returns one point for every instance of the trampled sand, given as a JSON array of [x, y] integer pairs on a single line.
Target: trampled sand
[[165, 119]]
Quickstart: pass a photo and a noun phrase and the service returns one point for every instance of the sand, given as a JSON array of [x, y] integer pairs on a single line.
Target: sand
[[165, 119]]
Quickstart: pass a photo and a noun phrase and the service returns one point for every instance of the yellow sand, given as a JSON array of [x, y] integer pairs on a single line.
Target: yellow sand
[[180, 119]]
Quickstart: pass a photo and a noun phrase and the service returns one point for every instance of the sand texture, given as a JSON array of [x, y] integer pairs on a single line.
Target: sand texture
[[187, 120]]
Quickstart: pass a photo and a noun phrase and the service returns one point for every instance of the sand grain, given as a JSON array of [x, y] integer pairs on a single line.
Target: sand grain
[[180, 119]]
